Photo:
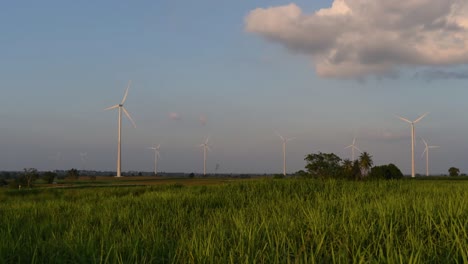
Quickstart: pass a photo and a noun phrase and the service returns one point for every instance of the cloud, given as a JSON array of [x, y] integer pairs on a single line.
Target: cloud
[[359, 38], [202, 120], [174, 116]]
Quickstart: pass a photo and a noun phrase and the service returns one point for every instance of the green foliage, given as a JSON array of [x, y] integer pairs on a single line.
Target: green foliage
[[454, 171], [73, 174], [365, 163], [356, 172], [28, 177], [278, 176], [49, 176], [388, 172], [287, 221], [3, 182], [302, 174], [323, 165]]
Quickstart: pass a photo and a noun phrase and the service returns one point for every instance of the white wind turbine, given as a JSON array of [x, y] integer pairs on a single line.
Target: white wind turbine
[[353, 147], [412, 138], [121, 108], [426, 150], [156, 157], [205, 148], [83, 157], [284, 150]]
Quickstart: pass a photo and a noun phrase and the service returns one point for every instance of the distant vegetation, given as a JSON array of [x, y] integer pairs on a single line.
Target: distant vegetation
[[329, 165], [247, 221]]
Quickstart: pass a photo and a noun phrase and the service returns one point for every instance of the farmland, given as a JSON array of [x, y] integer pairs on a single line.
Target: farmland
[[242, 221]]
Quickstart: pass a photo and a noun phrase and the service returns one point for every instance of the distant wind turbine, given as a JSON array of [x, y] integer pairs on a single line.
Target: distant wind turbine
[[83, 157], [426, 150], [284, 150], [121, 108], [205, 148], [412, 138], [156, 157], [353, 147]]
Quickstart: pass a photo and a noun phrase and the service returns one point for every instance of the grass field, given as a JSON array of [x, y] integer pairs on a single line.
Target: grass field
[[254, 221]]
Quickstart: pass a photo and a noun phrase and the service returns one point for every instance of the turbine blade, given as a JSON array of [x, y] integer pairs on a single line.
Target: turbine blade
[[424, 141], [354, 141], [126, 92], [421, 117], [350, 146], [278, 134], [404, 119], [289, 139], [207, 139], [357, 148], [129, 117], [158, 146], [112, 107], [422, 155]]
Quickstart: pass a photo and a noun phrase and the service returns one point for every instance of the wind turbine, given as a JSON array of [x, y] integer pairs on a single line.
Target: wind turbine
[[156, 157], [121, 108], [205, 148], [412, 138], [353, 147], [284, 150], [83, 157], [426, 150]]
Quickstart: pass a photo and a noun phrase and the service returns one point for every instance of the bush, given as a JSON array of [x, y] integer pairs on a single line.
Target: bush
[[387, 172], [278, 176], [49, 176]]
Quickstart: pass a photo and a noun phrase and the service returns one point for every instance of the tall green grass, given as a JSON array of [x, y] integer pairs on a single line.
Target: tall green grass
[[267, 221]]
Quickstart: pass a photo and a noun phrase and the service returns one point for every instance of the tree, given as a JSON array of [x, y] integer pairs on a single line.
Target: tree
[[29, 176], [365, 162], [323, 165], [347, 165], [454, 171], [301, 173], [49, 176], [73, 174], [356, 173], [388, 172]]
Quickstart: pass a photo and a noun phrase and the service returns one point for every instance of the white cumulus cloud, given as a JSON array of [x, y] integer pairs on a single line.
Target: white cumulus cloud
[[358, 38]]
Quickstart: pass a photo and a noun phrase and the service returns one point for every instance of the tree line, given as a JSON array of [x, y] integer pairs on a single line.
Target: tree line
[[329, 165]]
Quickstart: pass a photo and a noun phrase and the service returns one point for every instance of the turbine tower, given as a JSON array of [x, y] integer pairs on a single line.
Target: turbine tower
[[412, 138], [121, 108], [156, 157], [426, 150], [353, 147], [284, 150], [205, 148]]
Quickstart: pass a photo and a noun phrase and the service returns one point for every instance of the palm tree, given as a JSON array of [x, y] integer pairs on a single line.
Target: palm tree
[[365, 162], [347, 167]]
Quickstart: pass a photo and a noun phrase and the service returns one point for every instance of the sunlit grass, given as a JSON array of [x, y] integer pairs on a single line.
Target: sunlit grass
[[265, 221]]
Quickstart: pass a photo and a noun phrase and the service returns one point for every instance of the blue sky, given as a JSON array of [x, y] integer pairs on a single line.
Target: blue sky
[[63, 62]]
